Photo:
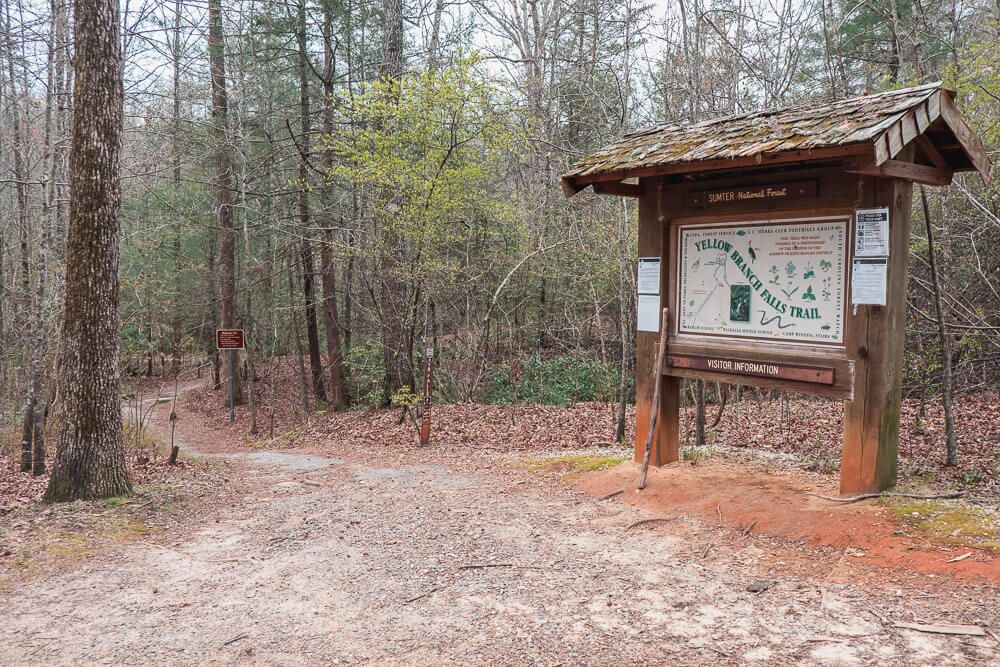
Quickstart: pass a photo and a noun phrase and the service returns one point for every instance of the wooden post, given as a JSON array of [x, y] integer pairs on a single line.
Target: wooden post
[[425, 413], [653, 242], [661, 355], [875, 338]]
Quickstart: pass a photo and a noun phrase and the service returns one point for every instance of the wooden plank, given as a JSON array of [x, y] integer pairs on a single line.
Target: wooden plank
[[908, 126], [653, 243], [831, 357], [805, 388], [766, 368], [934, 106], [618, 189], [771, 193], [971, 144], [909, 171], [923, 121], [875, 336], [763, 160], [834, 189], [881, 149], [930, 151], [895, 137], [569, 187]]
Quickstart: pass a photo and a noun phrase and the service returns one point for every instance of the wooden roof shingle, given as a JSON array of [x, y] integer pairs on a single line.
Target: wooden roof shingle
[[880, 125]]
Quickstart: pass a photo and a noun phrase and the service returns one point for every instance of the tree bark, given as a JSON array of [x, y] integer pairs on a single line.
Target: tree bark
[[90, 451], [946, 370], [223, 183], [312, 327], [335, 358]]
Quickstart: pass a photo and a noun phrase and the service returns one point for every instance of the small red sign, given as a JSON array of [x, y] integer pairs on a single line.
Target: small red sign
[[229, 339]]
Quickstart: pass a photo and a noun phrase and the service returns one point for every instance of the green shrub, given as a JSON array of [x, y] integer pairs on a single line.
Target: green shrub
[[559, 380]]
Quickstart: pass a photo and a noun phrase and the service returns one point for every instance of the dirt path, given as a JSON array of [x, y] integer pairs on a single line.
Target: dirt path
[[336, 561]]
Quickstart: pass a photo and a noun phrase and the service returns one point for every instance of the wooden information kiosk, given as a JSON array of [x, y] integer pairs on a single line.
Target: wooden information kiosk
[[779, 243]]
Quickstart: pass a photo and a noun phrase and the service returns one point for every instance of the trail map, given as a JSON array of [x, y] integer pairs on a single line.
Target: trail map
[[764, 280]]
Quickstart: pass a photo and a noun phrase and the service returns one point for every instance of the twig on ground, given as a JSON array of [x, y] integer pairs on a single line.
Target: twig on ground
[[234, 640], [969, 630], [718, 508], [479, 566], [866, 496], [645, 521], [746, 531], [612, 494], [422, 595]]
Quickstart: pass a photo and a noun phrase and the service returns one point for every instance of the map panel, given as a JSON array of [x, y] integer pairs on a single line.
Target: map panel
[[782, 281]]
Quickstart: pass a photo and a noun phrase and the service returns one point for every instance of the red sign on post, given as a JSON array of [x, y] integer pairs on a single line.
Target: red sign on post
[[229, 339]]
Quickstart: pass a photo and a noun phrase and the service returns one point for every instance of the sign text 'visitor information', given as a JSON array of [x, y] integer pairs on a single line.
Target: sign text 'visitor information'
[[767, 369], [229, 339], [780, 281]]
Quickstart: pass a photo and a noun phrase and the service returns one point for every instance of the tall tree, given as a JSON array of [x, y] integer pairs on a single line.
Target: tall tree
[[90, 451], [305, 247], [224, 185]]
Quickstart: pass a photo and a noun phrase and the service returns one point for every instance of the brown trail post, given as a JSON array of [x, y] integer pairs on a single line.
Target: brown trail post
[[661, 354], [425, 414]]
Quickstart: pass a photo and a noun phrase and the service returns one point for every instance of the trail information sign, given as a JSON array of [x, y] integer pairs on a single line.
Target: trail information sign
[[229, 339], [781, 281]]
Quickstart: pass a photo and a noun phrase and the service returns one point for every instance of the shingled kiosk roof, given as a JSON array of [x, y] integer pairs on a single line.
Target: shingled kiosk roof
[[872, 130]]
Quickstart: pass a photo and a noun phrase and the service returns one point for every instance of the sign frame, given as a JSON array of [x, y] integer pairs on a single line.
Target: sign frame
[[677, 258]]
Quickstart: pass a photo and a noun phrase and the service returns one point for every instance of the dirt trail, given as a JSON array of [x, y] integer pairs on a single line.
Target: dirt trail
[[333, 560]]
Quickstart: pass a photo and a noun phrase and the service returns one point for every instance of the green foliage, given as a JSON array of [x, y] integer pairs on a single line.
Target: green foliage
[[405, 398], [365, 372], [560, 380]]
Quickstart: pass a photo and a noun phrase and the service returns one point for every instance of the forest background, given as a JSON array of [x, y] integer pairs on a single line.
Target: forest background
[[355, 181]]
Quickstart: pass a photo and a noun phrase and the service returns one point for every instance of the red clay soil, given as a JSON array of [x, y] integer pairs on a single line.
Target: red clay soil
[[777, 506]]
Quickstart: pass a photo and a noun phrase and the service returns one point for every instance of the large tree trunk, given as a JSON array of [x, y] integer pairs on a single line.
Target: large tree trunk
[[312, 327], [335, 358], [176, 327], [224, 179], [393, 289], [90, 451]]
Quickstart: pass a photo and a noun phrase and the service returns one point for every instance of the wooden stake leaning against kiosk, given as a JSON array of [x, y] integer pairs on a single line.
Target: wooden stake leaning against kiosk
[[661, 355]]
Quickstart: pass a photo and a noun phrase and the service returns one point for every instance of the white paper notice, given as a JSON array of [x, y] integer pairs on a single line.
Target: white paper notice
[[648, 311], [648, 276], [871, 232], [868, 281]]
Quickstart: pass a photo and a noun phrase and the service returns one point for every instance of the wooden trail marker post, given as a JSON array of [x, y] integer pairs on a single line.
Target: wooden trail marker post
[[230, 340], [778, 253], [425, 411]]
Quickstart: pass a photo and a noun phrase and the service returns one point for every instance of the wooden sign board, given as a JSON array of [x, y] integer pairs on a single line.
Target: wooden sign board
[[752, 368], [782, 281], [229, 339], [773, 192]]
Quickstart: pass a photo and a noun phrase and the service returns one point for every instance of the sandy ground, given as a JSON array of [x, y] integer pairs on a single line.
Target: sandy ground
[[342, 560]]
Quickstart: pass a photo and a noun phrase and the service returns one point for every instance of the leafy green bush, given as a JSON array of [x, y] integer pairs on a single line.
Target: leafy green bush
[[559, 380], [365, 372]]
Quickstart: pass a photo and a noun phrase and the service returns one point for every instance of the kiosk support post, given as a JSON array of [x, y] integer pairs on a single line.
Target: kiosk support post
[[876, 335]]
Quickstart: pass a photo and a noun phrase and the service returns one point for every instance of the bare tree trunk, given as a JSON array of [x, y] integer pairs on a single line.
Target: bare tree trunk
[[224, 179], [297, 333], [176, 327], [312, 327], [335, 358], [946, 369], [90, 451]]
